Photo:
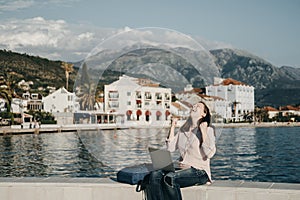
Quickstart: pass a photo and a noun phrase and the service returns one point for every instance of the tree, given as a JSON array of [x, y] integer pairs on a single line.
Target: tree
[[261, 115], [7, 92], [86, 90]]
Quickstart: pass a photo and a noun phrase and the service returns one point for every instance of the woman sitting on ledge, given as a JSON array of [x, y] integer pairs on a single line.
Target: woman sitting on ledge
[[195, 141]]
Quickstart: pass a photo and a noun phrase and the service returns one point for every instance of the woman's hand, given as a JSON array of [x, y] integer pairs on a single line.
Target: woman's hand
[[174, 121], [172, 129]]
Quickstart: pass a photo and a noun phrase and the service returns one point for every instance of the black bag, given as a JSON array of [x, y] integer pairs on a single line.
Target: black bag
[[133, 174], [145, 187]]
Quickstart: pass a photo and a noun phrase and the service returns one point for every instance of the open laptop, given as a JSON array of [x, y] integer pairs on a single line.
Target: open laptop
[[161, 159]]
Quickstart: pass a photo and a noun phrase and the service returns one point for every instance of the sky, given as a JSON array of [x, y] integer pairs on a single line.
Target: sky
[[69, 29]]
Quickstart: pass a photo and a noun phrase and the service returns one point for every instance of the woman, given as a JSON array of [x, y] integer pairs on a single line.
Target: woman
[[196, 144]]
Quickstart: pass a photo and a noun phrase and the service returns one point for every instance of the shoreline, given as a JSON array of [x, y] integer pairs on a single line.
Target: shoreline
[[261, 124], [16, 129]]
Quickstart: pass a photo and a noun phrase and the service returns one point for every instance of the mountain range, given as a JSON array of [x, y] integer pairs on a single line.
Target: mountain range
[[274, 86]]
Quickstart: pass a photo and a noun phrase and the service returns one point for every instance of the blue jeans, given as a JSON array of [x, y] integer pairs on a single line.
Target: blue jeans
[[165, 186]]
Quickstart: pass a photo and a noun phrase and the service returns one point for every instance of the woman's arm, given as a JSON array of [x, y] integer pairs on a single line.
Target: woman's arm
[[208, 146], [203, 128], [172, 129], [171, 140]]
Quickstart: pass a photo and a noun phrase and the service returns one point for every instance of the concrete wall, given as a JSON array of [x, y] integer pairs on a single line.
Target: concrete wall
[[105, 189]]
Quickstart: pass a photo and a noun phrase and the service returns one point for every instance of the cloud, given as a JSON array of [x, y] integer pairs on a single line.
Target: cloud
[[59, 40], [13, 5], [53, 39], [210, 45]]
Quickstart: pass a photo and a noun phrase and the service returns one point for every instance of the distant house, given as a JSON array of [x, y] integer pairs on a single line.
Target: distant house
[[60, 101], [33, 101], [62, 104], [289, 110], [272, 112], [180, 109], [239, 95]]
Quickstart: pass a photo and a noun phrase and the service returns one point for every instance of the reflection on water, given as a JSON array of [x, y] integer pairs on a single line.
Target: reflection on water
[[255, 154]]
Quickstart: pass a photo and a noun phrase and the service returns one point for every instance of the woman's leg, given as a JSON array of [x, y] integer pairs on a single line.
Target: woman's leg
[[187, 177]]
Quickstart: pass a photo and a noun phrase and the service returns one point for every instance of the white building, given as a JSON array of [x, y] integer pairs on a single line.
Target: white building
[[181, 109], [239, 95], [138, 101], [218, 106], [62, 104]]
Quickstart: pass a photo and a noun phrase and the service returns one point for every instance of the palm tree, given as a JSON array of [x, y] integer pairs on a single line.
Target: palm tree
[[68, 67], [86, 95], [7, 92], [86, 90], [6, 95]]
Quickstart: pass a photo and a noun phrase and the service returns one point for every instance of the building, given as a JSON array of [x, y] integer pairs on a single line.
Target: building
[[289, 110], [181, 109], [218, 106], [272, 112], [239, 95], [137, 101], [62, 104], [34, 101]]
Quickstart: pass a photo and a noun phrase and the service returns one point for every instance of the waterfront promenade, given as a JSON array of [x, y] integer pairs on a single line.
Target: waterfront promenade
[[106, 189], [45, 128]]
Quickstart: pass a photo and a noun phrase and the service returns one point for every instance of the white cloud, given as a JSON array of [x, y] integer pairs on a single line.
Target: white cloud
[[34, 32], [210, 45], [53, 39], [59, 40], [13, 5]]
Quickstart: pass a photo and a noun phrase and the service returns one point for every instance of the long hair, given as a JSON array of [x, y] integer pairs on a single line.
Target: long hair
[[186, 126]]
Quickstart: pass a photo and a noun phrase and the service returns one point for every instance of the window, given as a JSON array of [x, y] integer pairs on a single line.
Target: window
[[128, 94], [128, 103], [158, 96], [138, 95], [167, 96], [113, 104], [70, 98], [167, 105], [113, 94], [148, 96]]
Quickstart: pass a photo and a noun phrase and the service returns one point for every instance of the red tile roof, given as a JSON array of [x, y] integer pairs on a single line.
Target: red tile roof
[[288, 107], [269, 108], [230, 81]]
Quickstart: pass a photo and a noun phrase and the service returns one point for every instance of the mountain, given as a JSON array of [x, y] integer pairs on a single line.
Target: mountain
[[41, 71], [273, 86]]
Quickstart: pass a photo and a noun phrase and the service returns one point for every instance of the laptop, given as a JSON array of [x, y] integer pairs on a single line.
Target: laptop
[[161, 159]]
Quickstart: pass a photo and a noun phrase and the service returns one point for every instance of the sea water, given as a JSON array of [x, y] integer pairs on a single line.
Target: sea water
[[252, 154]]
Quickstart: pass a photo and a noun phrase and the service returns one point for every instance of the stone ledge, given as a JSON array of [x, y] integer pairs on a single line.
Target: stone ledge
[[56, 188]]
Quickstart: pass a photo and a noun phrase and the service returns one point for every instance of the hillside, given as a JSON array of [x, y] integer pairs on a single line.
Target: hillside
[[41, 71], [273, 86]]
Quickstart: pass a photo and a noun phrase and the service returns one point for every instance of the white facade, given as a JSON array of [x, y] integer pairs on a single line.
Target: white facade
[[180, 109], [60, 101], [240, 96], [218, 107], [139, 101]]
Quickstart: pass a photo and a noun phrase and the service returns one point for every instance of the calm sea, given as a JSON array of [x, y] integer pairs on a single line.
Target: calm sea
[[252, 154]]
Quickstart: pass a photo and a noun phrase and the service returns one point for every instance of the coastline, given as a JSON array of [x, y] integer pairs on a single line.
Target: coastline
[[90, 127], [261, 124]]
